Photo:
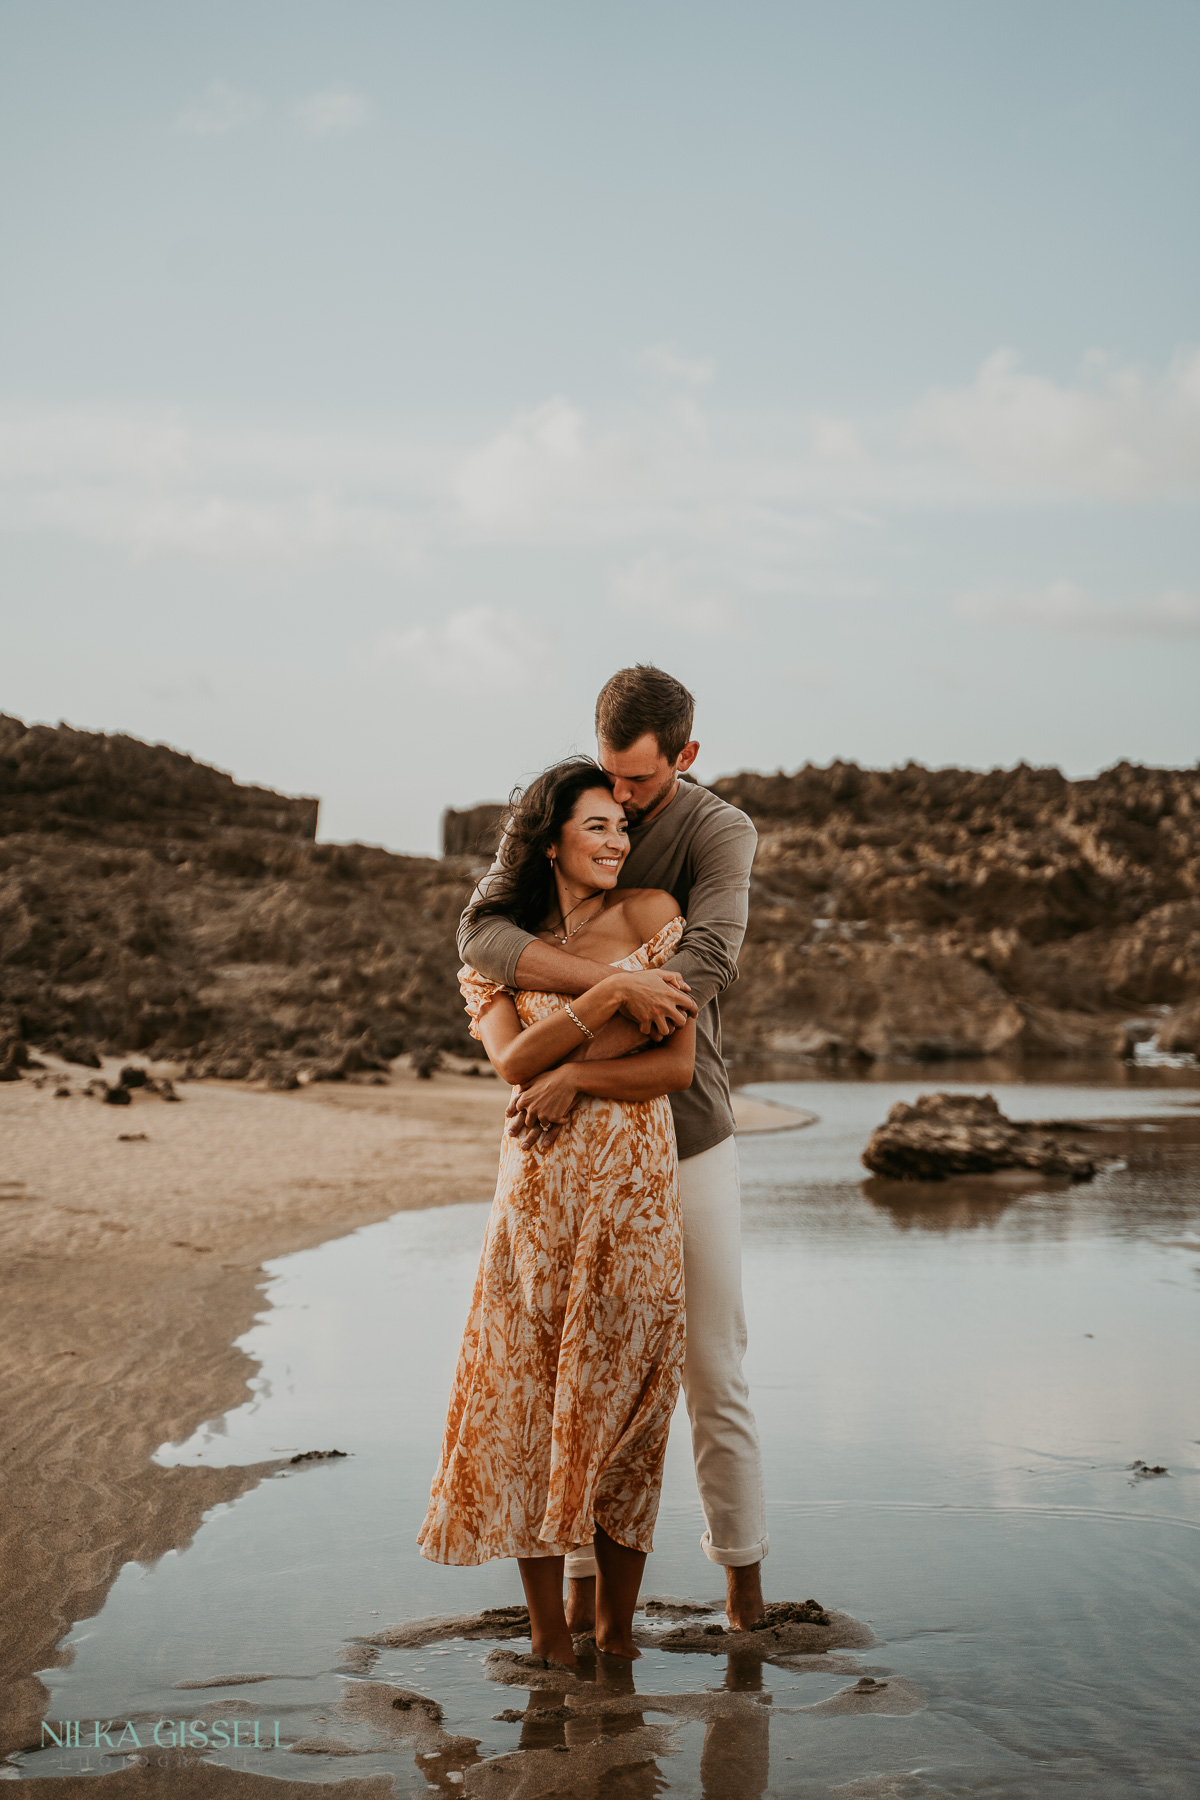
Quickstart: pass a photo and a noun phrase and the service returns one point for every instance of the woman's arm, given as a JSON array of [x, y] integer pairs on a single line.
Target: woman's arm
[[518, 1055], [547, 1098]]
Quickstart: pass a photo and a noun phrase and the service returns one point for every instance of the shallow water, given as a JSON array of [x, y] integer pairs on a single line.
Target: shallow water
[[951, 1384]]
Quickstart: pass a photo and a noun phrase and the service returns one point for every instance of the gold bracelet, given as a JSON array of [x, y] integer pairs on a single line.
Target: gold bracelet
[[576, 1020]]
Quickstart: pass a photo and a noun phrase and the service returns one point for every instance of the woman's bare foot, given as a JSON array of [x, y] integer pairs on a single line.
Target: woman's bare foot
[[743, 1597], [581, 1604], [555, 1649], [619, 1576], [542, 1579]]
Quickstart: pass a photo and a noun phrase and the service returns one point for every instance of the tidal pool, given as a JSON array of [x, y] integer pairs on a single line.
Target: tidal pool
[[953, 1384]]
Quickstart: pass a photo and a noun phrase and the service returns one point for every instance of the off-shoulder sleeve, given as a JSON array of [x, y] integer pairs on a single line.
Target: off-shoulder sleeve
[[478, 992], [663, 943]]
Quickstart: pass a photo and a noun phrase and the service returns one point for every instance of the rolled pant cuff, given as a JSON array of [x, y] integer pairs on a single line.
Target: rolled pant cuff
[[580, 1565], [735, 1559]]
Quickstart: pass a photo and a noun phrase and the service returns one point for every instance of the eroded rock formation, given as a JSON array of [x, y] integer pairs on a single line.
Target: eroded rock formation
[[967, 1134], [918, 913], [473, 831], [54, 778], [150, 903]]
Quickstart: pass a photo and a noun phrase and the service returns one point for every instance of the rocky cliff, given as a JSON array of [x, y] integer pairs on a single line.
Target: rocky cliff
[[475, 831], [917, 914], [53, 778], [148, 902]]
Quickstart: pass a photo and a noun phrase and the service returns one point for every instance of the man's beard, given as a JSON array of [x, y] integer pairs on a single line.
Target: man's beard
[[635, 814]]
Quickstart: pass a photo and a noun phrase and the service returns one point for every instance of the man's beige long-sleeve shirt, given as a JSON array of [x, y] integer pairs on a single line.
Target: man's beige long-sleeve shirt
[[699, 849]]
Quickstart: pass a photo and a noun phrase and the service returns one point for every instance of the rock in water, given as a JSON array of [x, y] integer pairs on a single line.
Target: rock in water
[[967, 1134], [1181, 1031]]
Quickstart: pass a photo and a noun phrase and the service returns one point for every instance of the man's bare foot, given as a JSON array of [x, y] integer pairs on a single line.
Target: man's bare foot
[[617, 1645], [743, 1597], [581, 1604]]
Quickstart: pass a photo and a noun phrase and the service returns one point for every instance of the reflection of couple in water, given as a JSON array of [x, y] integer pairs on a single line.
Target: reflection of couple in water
[[595, 950]]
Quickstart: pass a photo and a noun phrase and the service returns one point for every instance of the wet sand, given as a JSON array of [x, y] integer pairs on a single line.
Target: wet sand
[[130, 1263]]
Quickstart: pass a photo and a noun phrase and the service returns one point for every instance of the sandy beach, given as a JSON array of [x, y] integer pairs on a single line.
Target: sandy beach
[[131, 1248]]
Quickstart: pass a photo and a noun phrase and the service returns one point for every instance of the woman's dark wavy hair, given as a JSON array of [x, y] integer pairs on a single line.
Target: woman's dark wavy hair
[[522, 889]]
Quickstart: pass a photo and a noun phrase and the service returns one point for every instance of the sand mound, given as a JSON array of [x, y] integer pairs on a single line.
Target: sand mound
[[770, 1640]]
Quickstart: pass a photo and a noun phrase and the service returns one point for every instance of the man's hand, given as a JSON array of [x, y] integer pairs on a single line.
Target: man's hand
[[538, 1111], [658, 1002]]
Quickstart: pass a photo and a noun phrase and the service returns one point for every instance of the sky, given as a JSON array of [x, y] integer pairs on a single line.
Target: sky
[[377, 377]]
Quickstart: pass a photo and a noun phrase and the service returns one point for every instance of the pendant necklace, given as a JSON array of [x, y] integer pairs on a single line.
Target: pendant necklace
[[566, 935]]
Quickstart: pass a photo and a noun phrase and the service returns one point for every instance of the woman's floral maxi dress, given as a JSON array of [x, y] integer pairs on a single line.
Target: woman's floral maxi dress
[[571, 1359]]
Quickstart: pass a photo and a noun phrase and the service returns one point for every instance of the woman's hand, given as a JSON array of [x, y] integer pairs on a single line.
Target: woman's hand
[[543, 1104]]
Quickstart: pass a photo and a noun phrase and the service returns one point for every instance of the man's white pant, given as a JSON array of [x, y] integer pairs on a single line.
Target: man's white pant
[[724, 1439]]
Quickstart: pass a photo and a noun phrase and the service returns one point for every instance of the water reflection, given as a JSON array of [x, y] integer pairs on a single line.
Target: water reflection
[[734, 1760], [957, 1204], [735, 1763]]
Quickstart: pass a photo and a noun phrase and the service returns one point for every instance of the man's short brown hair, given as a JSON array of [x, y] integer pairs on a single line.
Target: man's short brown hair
[[640, 700]]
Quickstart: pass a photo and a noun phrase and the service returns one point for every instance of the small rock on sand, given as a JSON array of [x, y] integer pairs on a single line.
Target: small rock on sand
[[869, 1696], [791, 1612]]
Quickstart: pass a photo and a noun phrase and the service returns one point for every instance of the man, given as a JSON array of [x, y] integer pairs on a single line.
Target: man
[[686, 840]]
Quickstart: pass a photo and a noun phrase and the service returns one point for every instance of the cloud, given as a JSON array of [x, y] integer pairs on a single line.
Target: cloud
[[698, 521], [474, 651], [219, 110], [1062, 606], [685, 377], [836, 440], [538, 462], [154, 485], [669, 363], [666, 591], [333, 112], [1117, 435]]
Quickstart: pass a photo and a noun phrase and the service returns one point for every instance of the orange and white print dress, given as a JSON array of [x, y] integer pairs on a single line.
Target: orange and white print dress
[[571, 1359]]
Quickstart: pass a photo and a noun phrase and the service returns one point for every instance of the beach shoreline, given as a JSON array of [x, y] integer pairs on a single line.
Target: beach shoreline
[[132, 1248]]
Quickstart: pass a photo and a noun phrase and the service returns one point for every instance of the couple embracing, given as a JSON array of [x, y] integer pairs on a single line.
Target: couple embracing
[[594, 953]]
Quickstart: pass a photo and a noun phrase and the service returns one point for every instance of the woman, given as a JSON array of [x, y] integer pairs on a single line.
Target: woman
[[571, 1359]]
